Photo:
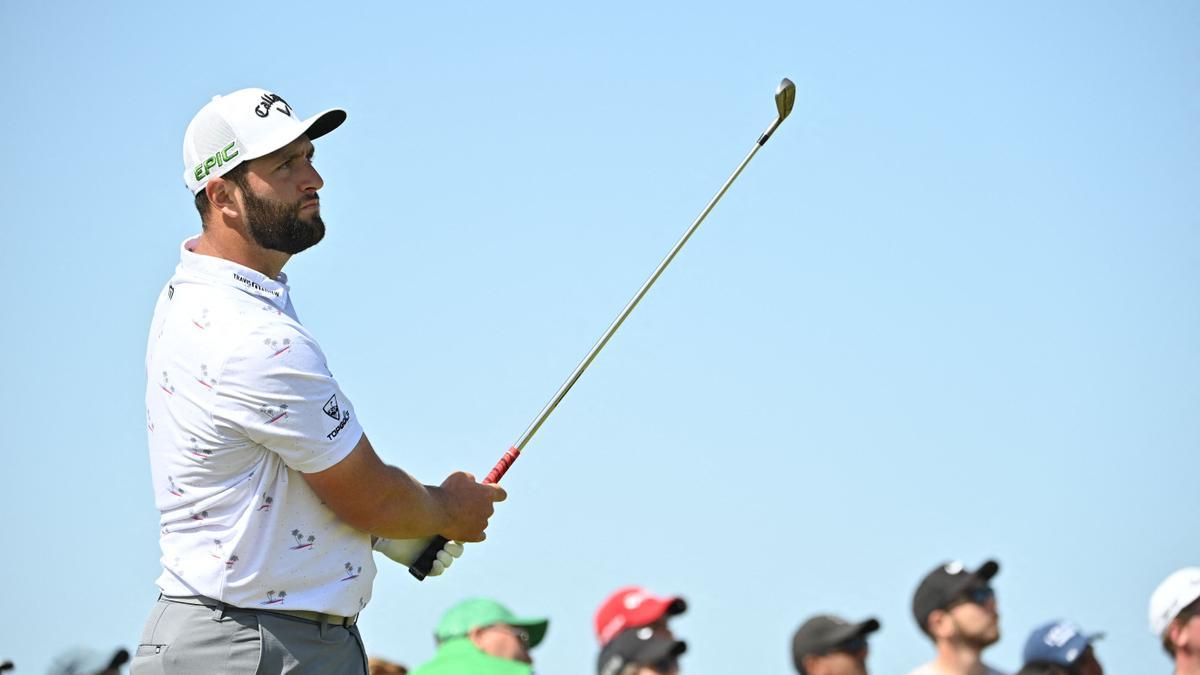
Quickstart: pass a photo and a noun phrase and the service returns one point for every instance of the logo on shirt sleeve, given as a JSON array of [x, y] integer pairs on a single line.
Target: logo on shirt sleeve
[[331, 407]]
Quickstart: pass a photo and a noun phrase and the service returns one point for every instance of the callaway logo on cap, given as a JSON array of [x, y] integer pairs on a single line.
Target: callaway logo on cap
[[241, 126]]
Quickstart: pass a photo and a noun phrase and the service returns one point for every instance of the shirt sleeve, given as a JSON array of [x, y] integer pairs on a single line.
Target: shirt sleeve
[[277, 391]]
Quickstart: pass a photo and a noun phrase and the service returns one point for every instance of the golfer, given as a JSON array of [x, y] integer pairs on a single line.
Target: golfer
[[269, 493]]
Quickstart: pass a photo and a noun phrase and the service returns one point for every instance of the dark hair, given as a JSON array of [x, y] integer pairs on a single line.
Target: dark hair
[[1043, 668], [236, 175]]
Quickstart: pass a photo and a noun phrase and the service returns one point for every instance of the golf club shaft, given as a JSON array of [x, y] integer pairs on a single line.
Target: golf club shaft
[[501, 467], [420, 568]]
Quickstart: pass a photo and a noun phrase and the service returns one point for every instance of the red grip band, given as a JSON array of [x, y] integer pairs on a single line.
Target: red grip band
[[501, 467]]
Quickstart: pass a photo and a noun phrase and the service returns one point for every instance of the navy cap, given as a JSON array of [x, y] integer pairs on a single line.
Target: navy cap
[[1060, 642]]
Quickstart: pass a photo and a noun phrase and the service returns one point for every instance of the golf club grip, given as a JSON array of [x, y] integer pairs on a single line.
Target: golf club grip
[[501, 467], [424, 562]]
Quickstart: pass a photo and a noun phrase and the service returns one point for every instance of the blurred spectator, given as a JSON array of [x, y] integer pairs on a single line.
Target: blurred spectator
[[482, 637], [956, 608], [381, 666], [830, 645], [1061, 643], [634, 607], [88, 661], [641, 651], [1174, 607]]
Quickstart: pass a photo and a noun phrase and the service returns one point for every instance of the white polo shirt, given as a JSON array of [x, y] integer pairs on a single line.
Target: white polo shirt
[[239, 402]]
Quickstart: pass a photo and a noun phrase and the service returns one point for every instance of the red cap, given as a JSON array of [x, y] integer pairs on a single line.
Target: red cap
[[633, 607]]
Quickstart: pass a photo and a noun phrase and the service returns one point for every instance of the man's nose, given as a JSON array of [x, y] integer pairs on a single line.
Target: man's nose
[[312, 180]]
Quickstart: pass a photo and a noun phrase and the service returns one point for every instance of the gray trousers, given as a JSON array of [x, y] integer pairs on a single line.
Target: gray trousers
[[194, 638]]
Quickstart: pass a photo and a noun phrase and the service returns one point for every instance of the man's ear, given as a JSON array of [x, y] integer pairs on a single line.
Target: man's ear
[[474, 634], [937, 623], [1179, 636], [222, 196]]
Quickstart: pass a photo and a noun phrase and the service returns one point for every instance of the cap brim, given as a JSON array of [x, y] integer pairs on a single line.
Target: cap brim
[[660, 649], [535, 627], [324, 122], [853, 630], [314, 127], [120, 658], [987, 570]]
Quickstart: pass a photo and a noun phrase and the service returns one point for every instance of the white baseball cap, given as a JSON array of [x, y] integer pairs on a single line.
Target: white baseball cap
[[241, 126], [1177, 591]]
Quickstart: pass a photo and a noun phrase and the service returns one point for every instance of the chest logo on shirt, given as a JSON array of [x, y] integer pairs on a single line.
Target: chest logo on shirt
[[331, 407]]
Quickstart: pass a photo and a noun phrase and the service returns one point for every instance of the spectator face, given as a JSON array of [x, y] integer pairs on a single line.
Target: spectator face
[[503, 641], [848, 658], [972, 619], [1184, 631]]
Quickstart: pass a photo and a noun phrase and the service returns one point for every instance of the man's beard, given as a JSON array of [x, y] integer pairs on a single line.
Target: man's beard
[[278, 226], [984, 637]]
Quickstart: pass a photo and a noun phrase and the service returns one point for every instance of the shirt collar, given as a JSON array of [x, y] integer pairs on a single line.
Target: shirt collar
[[228, 273]]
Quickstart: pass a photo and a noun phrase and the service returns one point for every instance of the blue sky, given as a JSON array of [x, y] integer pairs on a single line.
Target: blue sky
[[948, 312]]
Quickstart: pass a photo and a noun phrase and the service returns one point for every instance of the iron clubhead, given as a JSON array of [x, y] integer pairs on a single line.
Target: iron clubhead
[[785, 98]]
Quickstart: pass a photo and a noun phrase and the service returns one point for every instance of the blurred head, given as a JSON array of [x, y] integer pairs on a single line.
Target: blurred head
[[1173, 611], [957, 605], [493, 629], [1064, 644], [970, 619], [829, 645], [640, 651]]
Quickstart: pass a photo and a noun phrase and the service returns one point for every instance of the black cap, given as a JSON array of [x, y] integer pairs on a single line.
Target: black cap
[[825, 631], [637, 645], [945, 584]]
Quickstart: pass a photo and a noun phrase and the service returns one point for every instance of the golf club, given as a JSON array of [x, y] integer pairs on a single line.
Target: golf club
[[785, 97]]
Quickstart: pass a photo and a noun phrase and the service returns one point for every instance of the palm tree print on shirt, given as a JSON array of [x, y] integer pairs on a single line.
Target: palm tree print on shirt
[[173, 488], [266, 503], [274, 598], [165, 384], [273, 413], [229, 563], [202, 322], [205, 379], [351, 572], [301, 542], [278, 348], [196, 451]]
